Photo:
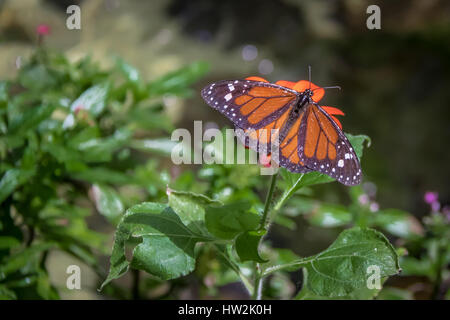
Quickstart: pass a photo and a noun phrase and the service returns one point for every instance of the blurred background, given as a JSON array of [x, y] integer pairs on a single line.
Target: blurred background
[[395, 81]]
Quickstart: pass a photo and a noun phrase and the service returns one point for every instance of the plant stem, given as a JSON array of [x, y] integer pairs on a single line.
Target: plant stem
[[257, 289], [135, 287], [265, 215], [264, 225]]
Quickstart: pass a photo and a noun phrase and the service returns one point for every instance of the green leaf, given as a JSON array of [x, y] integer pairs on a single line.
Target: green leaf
[[163, 146], [343, 267], [415, 267], [22, 258], [92, 100], [357, 141], [177, 82], [23, 120], [167, 247], [102, 149], [190, 207], [296, 181], [227, 221], [247, 244], [108, 202], [363, 293], [6, 294], [12, 179], [37, 77], [330, 216], [131, 73], [399, 223], [7, 242]]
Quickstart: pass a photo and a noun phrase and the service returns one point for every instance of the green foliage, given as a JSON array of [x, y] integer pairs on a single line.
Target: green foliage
[[192, 224], [68, 148]]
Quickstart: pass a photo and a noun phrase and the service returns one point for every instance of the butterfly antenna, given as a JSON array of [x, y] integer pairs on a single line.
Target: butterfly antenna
[[309, 76], [333, 87]]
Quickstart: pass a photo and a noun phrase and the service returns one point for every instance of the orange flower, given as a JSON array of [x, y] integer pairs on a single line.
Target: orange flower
[[301, 86]]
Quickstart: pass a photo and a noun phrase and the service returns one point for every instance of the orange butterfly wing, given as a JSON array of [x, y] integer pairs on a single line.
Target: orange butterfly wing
[[249, 104], [257, 108], [323, 147]]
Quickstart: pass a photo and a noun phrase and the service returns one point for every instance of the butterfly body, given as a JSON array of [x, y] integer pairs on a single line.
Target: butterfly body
[[307, 138]]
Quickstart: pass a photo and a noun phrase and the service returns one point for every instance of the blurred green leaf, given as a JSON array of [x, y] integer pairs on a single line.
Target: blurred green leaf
[[37, 77], [11, 180], [163, 146], [92, 100], [101, 150], [414, 267], [23, 257], [399, 223], [8, 242], [102, 175], [23, 120], [6, 294], [108, 202], [330, 216], [130, 72], [177, 82]]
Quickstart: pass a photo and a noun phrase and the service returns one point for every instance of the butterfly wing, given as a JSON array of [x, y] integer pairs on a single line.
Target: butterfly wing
[[257, 108], [262, 140], [323, 147], [249, 104]]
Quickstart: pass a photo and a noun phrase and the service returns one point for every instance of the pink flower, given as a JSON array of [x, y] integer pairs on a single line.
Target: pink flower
[[430, 197], [435, 206], [363, 199], [265, 160], [43, 29], [374, 207]]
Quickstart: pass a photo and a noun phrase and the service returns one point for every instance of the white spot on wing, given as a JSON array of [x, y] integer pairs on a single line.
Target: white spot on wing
[[340, 163], [228, 97]]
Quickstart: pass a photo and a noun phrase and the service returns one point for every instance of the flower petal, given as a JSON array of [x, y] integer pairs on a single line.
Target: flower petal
[[333, 110], [265, 160], [255, 78], [337, 121], [285, 83], [318, 92]]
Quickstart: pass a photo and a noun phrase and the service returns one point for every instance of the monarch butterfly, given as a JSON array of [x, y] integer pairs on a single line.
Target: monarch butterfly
[[310, 137]]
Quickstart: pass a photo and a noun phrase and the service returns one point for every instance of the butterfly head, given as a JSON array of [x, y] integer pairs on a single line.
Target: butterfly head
[[309, 92], [307, 95]]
